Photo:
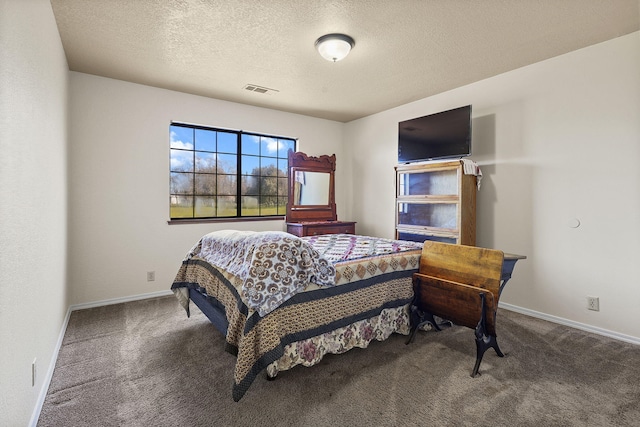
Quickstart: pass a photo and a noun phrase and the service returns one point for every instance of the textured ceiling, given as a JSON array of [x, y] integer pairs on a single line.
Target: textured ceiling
[[405, 49]]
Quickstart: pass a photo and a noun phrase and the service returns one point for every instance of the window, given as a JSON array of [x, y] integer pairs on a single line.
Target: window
[[218, 173]]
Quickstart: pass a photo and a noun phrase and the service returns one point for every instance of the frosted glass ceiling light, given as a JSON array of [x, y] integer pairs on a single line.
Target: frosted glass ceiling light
[[334, 47]]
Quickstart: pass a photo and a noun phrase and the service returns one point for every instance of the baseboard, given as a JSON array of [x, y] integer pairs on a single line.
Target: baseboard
[[571, 323], [47, 381], [138, 297], [52, 365]]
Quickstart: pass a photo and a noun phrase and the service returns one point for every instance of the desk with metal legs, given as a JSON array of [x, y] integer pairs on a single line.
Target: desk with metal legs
[[508, 265]]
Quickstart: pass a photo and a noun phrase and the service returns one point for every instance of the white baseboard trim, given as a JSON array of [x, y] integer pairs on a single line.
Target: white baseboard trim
[[120, 300], [47, 381], [52, 365], [571, 323]]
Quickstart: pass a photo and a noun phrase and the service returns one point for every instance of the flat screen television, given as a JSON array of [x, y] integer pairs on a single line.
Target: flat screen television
[[442, 135]]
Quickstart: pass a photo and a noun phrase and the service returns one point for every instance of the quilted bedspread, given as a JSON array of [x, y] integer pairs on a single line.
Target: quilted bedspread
[[272, 265], [370, 275], [345, 247]]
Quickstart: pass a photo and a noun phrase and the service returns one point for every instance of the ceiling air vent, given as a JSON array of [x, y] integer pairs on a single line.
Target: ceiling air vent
[[259, 89]]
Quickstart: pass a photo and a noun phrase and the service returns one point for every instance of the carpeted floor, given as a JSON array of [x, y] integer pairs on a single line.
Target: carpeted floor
[[145, 363]]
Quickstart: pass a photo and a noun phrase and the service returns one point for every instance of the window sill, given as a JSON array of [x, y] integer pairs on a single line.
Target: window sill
[[219, 220]]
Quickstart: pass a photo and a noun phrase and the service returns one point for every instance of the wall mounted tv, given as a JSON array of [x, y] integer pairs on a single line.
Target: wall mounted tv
[[441, 135]]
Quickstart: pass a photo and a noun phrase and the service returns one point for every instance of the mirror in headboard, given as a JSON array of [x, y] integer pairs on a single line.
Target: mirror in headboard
[[311, 194]]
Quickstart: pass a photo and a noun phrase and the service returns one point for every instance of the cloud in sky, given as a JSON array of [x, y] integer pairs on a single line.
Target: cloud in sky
[[272, 145], [176, 142], [181, 160]]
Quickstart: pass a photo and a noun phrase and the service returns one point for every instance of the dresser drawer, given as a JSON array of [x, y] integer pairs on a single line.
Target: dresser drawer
[[315, 228], [334, 229]]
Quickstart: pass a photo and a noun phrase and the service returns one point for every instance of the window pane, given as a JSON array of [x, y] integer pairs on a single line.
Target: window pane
[[205, 140], [181, 183], [227, 163], [268, 186], [250, 185], [205, 207], [181, 160], [181, 206], [250, 206], [227, 206], [283, 167], [269, 146], [206, 184], [181, 137], [283, 189], [251, 165], [282, 205], [205, 162], [250, 144], [227, 142], [269, 166], [284, 147], [227, 185], [268, 205]]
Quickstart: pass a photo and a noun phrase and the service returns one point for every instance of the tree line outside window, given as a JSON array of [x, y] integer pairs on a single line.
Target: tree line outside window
[[219, 173]]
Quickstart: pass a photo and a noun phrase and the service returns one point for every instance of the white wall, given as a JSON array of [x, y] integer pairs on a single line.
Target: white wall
[[557, 141], [33, 201], [119, 173]]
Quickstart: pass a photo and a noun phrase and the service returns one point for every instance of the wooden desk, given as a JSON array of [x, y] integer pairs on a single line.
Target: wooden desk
[[508, 264], [462, 285]]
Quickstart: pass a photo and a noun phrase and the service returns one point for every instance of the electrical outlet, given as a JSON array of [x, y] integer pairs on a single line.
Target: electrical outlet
[[33, 372], [593, 303], [151, 276]]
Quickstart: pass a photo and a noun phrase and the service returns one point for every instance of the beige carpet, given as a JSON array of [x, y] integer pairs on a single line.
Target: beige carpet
[[145, 363]]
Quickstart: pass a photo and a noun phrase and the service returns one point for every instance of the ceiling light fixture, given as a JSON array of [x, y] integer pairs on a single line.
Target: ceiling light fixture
[[334, 47]]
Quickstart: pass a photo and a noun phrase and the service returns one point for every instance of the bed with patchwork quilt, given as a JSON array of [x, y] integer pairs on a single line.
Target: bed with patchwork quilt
[[283, 301]]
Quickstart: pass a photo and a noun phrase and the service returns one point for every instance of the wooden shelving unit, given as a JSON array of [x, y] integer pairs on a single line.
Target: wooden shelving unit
[[436, 201]]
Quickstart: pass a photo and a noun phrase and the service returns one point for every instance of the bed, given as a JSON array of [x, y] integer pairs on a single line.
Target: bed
[[283, 301]]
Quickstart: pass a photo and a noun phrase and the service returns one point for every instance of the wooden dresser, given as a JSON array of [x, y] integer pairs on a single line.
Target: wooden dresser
[[301, 229], [311, 204]]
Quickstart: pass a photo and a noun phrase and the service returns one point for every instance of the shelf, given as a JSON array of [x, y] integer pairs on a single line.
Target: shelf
[[435, 201]]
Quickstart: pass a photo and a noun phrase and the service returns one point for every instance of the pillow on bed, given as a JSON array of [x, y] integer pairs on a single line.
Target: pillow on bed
[[273, 265]]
